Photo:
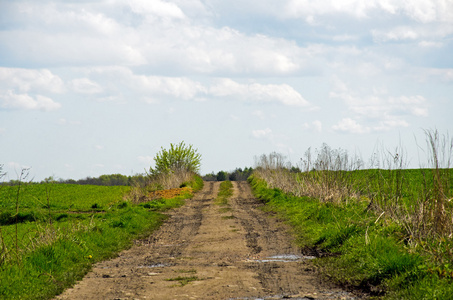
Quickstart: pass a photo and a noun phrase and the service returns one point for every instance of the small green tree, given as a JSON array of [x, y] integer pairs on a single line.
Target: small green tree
[[179, 158], [222, 176]]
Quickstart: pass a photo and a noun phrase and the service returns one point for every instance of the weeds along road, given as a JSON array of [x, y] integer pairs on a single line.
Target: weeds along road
[[208, 251]]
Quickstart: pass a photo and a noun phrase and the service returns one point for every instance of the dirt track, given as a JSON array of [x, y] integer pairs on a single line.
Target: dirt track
[[234, 252]]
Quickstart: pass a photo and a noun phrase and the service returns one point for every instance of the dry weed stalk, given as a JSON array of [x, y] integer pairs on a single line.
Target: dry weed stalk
[[326, 178], [326, 175], [3, 249], [140, 192], [429, 215]]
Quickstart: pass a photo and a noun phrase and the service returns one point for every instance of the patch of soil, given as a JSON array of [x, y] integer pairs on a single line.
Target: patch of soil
[[206, 252], [169, 193]]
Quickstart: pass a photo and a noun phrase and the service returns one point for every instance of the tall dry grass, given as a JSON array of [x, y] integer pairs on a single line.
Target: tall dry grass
[[162, 181], [425, 212], [325, 177]]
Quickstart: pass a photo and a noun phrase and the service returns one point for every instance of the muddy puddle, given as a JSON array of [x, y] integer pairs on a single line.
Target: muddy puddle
[[285, 258]]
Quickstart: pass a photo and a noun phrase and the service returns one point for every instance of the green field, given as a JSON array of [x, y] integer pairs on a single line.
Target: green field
[[51, 234], [62, 197]]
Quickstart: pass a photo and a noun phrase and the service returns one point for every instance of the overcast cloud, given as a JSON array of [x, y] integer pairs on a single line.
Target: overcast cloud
[[97, 87]]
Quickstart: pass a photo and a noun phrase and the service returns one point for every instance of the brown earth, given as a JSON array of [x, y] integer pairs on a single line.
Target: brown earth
[[208, 251], [169, 193]]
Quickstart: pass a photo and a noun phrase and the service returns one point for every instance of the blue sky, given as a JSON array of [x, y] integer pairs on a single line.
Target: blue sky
[[97, 87]]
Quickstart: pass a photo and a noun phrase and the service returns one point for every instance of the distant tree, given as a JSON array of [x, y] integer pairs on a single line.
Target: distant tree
[[178, 158], [107, 180], [295, 170], [239, 174], [210, 177], [222, 176], [114, 179]]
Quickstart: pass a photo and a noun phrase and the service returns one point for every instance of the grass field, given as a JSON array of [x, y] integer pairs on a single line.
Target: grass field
[[51, 234]]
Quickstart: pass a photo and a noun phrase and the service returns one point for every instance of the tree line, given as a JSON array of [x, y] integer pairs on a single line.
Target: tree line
[[238, 174], [107, 180]]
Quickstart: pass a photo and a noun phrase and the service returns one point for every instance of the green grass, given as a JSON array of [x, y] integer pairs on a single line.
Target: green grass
[[57, 247], [225, 191], [361, 249], [62, 197], [406, 184]]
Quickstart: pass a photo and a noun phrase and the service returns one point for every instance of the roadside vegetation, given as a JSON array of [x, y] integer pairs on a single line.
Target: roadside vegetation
[[175, 168], [51, 233], [386, 230]]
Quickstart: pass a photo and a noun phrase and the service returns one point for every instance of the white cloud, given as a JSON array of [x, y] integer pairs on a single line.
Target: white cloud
[[396, 34], [430, 44], [262, 133], [2, 130], [423, 11], [349, 125], [61, 34], [27, 89], [357, 8], [10, 100], [256, 92], [151, 89], [155, 89], [228, 51], [390, 123], [315, 126], [160, 37], [177, 87], [156, 8], [85, 86], [25, 80], [416, 105], [443, 75], [378, 106]]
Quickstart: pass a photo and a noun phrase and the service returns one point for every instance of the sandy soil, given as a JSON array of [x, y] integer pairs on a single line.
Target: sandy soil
[[207, 251]]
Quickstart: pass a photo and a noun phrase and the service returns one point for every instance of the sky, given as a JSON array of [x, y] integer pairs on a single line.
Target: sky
[[98, 87]]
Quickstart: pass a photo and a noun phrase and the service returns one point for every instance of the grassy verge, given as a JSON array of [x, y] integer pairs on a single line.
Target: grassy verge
[[360, 248], [41, 256]]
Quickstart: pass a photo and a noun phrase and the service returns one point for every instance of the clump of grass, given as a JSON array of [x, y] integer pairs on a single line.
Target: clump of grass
[[224, 210], [225, 192], [191, 271], [183, 280]]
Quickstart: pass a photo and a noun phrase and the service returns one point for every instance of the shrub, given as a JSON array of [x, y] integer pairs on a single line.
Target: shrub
[[179, 158]]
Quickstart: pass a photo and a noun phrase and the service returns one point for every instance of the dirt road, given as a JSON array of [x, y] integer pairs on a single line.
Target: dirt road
[[207, 251]]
